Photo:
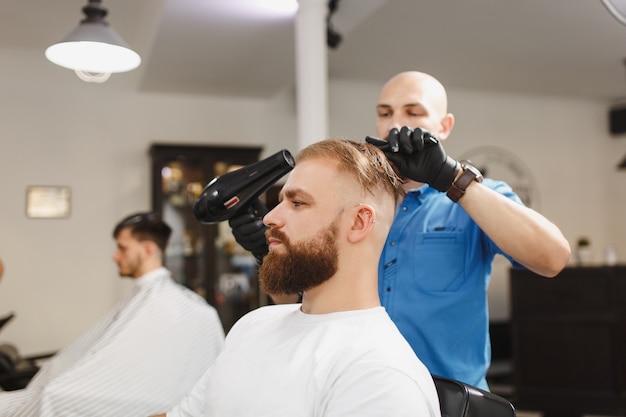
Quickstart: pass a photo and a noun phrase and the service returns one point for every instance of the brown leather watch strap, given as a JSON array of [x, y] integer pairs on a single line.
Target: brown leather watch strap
[[458, 187]]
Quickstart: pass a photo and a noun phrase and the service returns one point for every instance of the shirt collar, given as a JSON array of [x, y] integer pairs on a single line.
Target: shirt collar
[[424, 189]]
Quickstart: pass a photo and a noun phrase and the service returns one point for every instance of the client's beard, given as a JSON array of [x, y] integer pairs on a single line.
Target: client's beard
[[304, 265]]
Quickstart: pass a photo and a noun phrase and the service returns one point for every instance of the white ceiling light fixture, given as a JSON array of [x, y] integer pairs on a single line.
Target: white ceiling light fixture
[[249, 9], [94, 50], [617, 8]]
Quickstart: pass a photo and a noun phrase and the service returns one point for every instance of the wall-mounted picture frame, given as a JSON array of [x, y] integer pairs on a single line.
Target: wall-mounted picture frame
[[48, 202]]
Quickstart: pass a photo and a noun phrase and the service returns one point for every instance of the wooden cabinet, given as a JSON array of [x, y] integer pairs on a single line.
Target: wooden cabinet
[[205, 258], [569, 341]]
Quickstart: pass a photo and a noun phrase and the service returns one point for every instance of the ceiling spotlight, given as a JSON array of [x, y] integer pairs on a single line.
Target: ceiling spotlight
[[333, 38], [94, 48]]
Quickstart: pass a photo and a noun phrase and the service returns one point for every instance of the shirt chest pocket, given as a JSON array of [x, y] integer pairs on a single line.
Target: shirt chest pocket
[[438, 261]]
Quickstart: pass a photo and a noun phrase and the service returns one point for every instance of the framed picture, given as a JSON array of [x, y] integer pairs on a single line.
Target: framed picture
[[48, 202]]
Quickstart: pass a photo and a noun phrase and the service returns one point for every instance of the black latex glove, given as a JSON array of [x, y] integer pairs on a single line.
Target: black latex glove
[[249, 230], [419, 156]]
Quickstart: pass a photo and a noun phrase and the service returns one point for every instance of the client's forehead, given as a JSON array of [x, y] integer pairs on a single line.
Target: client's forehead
[[310, 169], [315, 177]]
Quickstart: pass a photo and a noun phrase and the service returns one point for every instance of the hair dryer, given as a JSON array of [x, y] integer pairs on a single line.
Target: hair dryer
[[229, 194]]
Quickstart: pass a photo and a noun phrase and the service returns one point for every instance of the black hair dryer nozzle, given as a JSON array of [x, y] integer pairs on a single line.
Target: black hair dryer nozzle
[[230, 193]]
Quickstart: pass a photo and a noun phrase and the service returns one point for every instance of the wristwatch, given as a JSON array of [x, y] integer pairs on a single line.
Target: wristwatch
[[470, 173]]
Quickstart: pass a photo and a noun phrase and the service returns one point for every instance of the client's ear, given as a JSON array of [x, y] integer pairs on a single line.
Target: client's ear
[[364, 219], [150, 247]]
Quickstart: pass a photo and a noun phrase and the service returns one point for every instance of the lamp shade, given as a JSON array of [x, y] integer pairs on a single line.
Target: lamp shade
[[94, 46]]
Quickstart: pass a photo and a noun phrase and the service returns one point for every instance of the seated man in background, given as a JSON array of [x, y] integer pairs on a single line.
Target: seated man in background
[[338, 353], [141, 357]]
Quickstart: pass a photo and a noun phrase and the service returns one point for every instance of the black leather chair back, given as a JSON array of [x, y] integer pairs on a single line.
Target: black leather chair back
[[457, 399]]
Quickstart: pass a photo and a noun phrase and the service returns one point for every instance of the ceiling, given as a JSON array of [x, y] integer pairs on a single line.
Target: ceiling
[[223, 47]]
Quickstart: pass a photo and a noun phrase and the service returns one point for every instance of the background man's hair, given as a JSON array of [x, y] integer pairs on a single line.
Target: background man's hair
[[146, 226]]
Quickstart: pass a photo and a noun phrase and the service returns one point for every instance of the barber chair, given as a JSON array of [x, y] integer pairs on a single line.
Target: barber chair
[[16, 371], [457, 399], [4, 320]]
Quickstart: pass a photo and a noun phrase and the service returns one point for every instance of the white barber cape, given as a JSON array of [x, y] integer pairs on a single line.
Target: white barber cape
[[139, 360]]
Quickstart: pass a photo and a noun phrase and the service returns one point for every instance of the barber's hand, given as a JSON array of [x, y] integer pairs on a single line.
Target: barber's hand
[[419, 156], [249, 230]]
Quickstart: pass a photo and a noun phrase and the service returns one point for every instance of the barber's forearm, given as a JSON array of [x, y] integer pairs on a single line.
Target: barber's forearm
[[522, 233]]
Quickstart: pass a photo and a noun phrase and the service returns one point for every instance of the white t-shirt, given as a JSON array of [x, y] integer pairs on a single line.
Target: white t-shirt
[[278, 361], [142, 358]]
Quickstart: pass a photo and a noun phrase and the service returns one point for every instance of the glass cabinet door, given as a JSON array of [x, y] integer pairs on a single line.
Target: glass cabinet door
[[204, 258]]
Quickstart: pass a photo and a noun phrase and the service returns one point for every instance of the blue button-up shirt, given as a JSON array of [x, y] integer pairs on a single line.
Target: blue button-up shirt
[[433, 278]]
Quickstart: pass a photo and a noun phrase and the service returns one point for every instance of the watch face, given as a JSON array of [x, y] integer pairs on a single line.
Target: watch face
[[469, 165], [502, 165]]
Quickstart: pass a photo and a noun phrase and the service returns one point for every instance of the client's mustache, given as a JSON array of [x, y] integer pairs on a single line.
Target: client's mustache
[[276, 234]]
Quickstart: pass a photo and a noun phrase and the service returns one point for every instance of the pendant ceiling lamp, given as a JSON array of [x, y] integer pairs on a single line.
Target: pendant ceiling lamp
[[94, 50], [617, 8]]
